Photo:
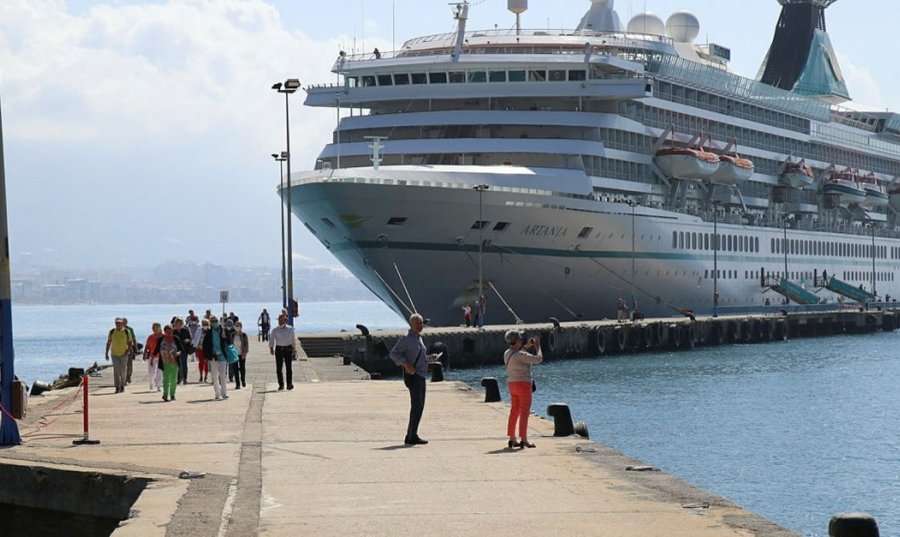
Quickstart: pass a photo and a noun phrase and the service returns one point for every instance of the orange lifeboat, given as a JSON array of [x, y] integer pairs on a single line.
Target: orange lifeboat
[[687, 163], [733, 168]]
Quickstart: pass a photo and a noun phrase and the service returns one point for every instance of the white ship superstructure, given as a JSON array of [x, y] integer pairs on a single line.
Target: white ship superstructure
[[576, 167]]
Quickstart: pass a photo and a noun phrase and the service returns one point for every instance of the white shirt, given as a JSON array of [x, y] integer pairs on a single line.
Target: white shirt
[[281, 336]]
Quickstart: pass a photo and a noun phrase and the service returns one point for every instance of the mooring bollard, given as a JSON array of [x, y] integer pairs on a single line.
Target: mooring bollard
[[491, 390], [437, 371], [853, 525], [562, 419], [581, 429]]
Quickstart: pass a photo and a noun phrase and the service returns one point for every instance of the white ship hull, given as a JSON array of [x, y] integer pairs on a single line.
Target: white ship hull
[[545, 264]]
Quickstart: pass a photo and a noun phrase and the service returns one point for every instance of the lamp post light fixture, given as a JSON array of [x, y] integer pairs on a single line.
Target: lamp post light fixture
[[287, 88], [280, 158], [481, 189]]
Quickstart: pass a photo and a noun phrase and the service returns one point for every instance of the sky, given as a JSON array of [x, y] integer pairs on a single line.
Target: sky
[[138, 132]]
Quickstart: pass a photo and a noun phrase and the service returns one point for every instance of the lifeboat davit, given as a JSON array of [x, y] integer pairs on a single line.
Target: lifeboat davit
[[797, 175], [732, 168], [845, 186], [876, 195], [686, 163]]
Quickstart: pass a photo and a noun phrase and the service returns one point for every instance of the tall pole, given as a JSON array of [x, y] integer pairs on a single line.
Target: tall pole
[[284, 302], [874, 288], [715, 260], [290, 242], [9, 430], [633, 266], [480, 244], [785, 250]]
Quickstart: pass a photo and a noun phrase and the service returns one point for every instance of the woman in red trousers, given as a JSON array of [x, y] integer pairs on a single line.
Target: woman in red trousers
[[519, 359]]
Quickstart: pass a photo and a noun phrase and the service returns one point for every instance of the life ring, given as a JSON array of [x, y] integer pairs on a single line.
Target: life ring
[[600, 341]]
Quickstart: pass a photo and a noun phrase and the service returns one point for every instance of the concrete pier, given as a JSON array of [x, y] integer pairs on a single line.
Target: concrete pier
[[472, 347], [327, 459]]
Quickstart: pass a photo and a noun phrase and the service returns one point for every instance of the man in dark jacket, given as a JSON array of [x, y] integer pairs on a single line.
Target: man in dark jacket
[[214, 344]]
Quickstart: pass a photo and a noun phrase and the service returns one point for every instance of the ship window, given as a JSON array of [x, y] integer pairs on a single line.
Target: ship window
[[501, 226], [681, 240], [578, 75], [397, 221], [693, 241], [480, 224], [537, 76], [674, 239], [517, 76], [352, 81], [457, 77], [419, 78], [477, 76], [401, 80], [557, 76], [328, 222], [437, 78], [385, 80], [368, 81], [497, 76], [585, 233]]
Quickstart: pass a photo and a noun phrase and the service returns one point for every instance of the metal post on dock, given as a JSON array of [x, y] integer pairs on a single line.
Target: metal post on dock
[[280, 159], [9, 430], [480, 189], [715, 258], [288, 87]]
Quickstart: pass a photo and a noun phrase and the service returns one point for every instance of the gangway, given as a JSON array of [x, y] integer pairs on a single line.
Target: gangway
[[794, 292], [845, 289]]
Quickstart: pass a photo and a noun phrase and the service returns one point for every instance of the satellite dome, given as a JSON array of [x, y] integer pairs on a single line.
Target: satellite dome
[[646, 23], [683, 27]]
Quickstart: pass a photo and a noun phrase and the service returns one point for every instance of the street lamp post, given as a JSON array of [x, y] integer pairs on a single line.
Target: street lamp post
[[633, 265], [481, 189], [288, 87], [874, 288], [280, 159], [715, 259]]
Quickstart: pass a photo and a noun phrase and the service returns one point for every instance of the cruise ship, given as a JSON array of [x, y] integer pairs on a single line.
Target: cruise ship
[[560, 173]]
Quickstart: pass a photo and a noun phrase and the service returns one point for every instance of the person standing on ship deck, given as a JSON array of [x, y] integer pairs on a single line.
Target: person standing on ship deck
[[281, 345]]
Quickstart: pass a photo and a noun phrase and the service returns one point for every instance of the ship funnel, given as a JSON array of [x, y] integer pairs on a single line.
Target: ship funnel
[[518, 7], [801, 58], [602, 17]]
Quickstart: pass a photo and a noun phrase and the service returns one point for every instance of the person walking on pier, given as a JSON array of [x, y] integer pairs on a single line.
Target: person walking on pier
[[169, 352], [265, 323], [151, 356], [281, 345], [410, 354], [242, 343], [132, 351], [184, 339], [214, 343], [197, 341], [119, 344], [519, 359]]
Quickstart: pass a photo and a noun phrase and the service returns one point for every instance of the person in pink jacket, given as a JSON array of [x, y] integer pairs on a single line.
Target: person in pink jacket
[[519, 359]]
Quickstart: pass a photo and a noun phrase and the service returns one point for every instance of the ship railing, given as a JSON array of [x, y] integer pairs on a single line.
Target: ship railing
[[443, 44]]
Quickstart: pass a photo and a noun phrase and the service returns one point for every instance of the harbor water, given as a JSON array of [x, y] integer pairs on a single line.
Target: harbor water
[[795, 431]]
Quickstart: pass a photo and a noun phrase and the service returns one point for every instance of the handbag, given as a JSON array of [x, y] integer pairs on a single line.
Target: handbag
[[231, 354]]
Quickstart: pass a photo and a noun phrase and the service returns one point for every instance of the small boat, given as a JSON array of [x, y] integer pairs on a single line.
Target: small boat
[[876, 195], [845, 187], [732, 168], [797, 175], [686, 163]]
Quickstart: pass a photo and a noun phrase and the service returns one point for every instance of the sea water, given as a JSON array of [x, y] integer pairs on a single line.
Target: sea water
[[51, 339], [795, 431]]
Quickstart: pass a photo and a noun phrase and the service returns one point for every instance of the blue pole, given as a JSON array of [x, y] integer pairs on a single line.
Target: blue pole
[[9, 430]]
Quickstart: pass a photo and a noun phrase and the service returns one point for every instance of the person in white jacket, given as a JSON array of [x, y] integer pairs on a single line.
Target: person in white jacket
[[519, 359]]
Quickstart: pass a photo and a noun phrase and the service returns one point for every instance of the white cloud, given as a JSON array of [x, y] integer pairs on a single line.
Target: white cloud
[[169, 73], [863, 86]]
